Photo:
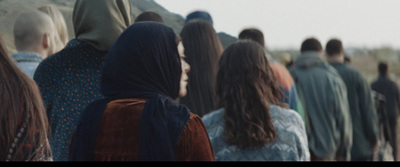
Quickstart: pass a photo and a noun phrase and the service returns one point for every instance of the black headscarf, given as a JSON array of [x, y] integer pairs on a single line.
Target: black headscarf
[[143, 63]]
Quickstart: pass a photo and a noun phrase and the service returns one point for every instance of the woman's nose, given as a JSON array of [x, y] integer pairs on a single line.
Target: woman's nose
[[186, 67]]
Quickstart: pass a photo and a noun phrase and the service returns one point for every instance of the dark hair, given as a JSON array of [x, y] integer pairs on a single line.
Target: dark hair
[[383, 68], [203, 50], [149, 16], [21, 103], [311, 44], [202, 15], [246, 86], [253, 34], [334, 47]]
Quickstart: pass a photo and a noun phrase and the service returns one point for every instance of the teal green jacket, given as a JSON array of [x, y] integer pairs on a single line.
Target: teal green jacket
[[362, 110], [324, 98]]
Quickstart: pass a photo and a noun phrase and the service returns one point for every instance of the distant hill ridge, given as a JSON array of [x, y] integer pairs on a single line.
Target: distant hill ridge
[[11, 9]]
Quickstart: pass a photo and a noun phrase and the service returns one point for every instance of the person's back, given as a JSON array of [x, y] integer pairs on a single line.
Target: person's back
[[362, 109], [70, 79], [388, 88], [252, 123], [323, 94], [385, 151], [290, 143], [34, 38], [282, 74]]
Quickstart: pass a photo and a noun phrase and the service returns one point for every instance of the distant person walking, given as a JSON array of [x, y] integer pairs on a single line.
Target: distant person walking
[[35, 39], [282, 74], [385, 151], [324, 95], [203, 50], [385, 86], [139, 120], [251, 122], [70, 79], [362, 106]]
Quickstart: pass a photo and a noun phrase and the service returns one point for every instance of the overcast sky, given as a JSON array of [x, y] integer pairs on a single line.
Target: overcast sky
[[286, 23]]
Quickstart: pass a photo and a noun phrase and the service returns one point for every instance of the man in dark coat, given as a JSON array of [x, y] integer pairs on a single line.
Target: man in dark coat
[[362, 109], [384, 85]]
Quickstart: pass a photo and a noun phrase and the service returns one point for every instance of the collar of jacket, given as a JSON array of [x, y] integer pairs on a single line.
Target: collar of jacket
[[27, 57], [308, 59], [383, 77]]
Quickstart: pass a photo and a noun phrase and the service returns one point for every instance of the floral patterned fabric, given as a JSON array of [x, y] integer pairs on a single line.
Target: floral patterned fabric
[[28, 151], [68, 82]]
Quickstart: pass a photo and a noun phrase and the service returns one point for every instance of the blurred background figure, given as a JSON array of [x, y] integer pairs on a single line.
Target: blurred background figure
[[283, 76], [70, 79], [59, 23], [362, 109], [203, 50], [324, 97], [385, 150], [286, 60], [24, 124], [385, 86], [35, 38], [347, 59], [149, 16], [203, 15], [252, 123], [143, 74]]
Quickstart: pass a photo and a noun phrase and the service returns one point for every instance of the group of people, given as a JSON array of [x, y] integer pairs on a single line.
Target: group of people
[[129, 89]]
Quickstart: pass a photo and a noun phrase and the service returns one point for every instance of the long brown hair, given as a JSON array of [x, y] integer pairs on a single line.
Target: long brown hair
[[20, 102], [203, 50], [246, 86]]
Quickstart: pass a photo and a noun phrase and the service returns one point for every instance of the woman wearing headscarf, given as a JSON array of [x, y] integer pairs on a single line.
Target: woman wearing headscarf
[[139, 119], [252, 123], [203, 50], [70, 79], [24, 125]]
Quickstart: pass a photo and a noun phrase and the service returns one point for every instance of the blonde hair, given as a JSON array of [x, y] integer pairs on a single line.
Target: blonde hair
[[59, 22]]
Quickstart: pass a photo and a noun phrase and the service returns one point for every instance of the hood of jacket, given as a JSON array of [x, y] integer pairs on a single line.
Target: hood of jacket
[[308, 59]]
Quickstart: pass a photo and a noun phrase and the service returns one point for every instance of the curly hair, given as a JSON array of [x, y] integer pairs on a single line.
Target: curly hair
[[246, 86]]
